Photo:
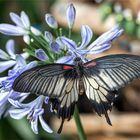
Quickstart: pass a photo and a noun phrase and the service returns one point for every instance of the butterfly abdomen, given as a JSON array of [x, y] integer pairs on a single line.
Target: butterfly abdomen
[[81, 87]]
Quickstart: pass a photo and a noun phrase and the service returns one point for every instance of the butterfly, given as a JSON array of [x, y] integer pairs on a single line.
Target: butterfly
[[98, 79]]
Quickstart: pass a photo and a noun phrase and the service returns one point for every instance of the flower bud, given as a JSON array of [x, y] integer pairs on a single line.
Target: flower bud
[[41, 55], [51, 21], [71, 13]]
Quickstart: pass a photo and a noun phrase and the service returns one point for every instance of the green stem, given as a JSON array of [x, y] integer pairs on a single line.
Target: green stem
[[69, 33], [79, 125], [41, 42]]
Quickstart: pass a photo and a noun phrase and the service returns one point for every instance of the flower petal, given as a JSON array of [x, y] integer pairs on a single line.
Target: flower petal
[[25, 55], [10, 47], [35, 31], [20, 60], [48, 36], [99, 49], [26, 39], [29, 66], [41, 55], [51, 21], [16, 19], [4, 65], [46, 100], [25, 20], [2, 79], [4, 55], [15, 103], [70, 44], [34, 125], [45, 125], [65, 60], [8, 29], [4, 96], [71, 13], [19, 113], [55, 47], [86, 34], [107, 37]]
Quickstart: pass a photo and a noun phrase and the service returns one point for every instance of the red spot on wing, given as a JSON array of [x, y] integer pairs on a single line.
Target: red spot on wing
[[66, 67], [90, 64]]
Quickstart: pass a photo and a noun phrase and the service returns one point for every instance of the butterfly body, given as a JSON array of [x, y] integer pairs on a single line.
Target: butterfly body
[[98, 79]]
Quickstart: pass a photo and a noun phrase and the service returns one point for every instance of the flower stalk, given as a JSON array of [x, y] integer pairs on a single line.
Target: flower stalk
[[79, 126]]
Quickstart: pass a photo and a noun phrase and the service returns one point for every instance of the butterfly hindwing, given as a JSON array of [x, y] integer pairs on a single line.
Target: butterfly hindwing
[[64, 105], [100, 98]]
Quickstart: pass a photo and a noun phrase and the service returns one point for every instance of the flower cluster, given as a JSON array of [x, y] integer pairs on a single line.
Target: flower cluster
[[47, 48]]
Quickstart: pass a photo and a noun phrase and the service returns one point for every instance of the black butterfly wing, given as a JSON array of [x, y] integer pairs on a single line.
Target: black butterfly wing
[[50, 80], [65, 105], [104, 76], [58, 81]]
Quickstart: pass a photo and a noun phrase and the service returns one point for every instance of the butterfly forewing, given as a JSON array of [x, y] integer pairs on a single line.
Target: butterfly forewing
[[49, 80]]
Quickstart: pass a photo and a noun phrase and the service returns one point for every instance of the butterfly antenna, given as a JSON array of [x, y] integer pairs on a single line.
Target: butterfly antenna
[[61, 126]]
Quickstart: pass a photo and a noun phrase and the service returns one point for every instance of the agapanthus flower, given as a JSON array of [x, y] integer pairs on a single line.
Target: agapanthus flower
[[101, 44], [33, 111], [7, 81], [17, 109], [8, 58], [5, 106], [22, 27]]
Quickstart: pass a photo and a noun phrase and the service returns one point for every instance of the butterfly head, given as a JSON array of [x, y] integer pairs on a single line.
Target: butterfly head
[[78, 61]]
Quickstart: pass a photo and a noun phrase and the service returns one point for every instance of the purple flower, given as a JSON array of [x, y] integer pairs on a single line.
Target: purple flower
[[22, 27], [4, 95], [101, 44], [71, 13], [8, 59], [20, 67], [5, 106], [33, 111], [7, 82], [8, 29], [17, 109]]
